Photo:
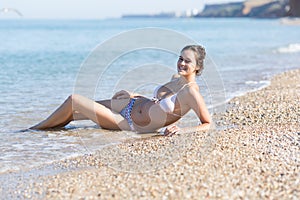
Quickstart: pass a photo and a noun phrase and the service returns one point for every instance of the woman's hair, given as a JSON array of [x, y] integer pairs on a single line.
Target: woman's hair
[[199, 55]]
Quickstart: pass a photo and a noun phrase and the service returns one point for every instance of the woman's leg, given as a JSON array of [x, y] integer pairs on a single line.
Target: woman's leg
[[59, 118], [86, 109], [78, 116], [107, 103]]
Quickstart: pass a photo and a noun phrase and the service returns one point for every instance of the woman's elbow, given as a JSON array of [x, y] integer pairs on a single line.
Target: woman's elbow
[[209, 124]]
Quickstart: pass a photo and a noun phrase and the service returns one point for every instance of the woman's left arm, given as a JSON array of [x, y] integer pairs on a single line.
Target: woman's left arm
[[196, 102]]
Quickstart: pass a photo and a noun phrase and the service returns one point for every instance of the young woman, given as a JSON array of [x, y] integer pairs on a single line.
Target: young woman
[[127, 111]]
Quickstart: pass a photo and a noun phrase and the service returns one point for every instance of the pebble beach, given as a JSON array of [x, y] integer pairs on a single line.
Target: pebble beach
[[253, 154]]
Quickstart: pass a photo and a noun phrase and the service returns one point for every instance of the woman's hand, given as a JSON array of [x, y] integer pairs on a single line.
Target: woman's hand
[[123, 94], [171, 130]]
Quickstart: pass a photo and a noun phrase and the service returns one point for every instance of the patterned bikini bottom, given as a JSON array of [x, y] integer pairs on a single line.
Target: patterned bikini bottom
[[126, 113]]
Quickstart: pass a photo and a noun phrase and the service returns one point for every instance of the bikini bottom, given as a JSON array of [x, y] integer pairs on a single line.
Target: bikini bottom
[[126, 113]]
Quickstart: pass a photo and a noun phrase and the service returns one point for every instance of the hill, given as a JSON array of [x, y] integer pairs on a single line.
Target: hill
[[252, 8]]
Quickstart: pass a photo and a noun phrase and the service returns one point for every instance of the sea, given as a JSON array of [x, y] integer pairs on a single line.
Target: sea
[[42, 62]]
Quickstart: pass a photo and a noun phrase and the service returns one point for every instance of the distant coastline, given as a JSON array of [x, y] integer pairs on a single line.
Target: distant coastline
[[249, 8]]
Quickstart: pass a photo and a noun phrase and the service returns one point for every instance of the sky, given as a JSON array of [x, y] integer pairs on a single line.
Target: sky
[[97, 9]]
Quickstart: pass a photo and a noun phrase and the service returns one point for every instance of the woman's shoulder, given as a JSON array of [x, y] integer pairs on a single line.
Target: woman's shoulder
[[193, 87], [193, 90], [175, 77]]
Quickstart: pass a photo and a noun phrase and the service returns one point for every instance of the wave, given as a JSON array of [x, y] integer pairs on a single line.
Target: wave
[[255, 86], [257, 82], [291, 48]]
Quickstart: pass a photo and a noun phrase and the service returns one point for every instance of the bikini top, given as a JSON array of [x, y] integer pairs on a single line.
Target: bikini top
[[167, 104]]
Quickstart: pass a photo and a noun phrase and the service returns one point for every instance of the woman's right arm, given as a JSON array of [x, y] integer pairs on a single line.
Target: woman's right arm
[[124, 94]]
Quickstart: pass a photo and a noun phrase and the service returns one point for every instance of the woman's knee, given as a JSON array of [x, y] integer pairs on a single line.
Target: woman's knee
[[74, 97]]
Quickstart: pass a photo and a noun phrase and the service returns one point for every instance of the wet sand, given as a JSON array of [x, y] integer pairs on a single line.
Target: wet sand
[[256, 157]]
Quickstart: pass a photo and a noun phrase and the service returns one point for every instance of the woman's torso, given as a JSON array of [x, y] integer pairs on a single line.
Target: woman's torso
[[150, 114]]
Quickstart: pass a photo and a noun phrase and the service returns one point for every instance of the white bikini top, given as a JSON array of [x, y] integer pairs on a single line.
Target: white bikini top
[[168, 103]]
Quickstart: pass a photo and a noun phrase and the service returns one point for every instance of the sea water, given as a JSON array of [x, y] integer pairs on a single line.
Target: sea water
[[40, 61]]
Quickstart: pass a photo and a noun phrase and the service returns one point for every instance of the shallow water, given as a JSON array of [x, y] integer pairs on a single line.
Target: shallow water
[[40, 61]]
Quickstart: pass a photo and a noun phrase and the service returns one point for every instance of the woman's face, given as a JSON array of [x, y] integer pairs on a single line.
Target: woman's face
[[186, 64]]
